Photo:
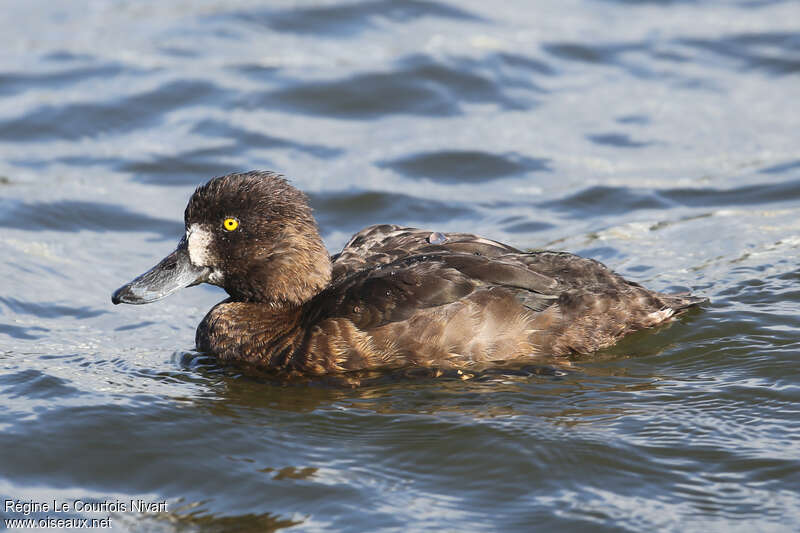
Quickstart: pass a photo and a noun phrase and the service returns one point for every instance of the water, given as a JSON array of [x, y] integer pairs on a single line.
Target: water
[[658, 137]]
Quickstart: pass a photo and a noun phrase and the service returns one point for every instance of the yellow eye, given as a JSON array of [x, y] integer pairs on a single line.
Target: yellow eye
[[230, 224]]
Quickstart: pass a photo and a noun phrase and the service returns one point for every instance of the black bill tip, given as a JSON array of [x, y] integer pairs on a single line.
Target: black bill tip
[[124, 295]]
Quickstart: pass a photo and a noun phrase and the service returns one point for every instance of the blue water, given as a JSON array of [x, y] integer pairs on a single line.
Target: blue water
[[660, 137]]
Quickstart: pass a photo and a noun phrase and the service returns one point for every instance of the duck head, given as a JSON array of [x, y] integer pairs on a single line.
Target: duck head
[[252, 234]]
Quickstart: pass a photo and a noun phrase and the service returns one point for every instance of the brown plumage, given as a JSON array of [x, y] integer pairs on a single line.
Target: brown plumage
[[394, 297]]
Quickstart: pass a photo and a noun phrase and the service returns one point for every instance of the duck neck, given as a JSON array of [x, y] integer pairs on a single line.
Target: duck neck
[[252, 333]]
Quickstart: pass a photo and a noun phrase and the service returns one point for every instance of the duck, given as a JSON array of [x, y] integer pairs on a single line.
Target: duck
[[394, 297]]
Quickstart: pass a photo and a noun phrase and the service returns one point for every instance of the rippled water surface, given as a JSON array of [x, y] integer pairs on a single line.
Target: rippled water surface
[[660, 137]]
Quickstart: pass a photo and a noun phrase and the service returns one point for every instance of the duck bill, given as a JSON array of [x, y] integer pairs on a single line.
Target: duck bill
[[174, 272]]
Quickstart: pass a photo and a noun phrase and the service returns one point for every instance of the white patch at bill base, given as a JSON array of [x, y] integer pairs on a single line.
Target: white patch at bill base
[[199, 240]]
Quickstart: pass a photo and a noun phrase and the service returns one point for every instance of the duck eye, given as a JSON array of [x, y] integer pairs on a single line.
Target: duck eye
[[230, 224]]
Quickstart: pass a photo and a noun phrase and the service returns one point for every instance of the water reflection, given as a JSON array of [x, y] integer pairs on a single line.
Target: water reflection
[[465, 166], [348, 20], [196, 516], [489, 391]]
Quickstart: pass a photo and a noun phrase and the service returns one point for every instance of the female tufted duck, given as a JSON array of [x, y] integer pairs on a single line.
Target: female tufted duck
[[394, 297]]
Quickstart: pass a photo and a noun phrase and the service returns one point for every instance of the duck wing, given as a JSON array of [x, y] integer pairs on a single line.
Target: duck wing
[[444, 309], [394, 291], [385, 243]]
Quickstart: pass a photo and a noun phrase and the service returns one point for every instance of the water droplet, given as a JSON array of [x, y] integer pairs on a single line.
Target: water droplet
[[437, 238]]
